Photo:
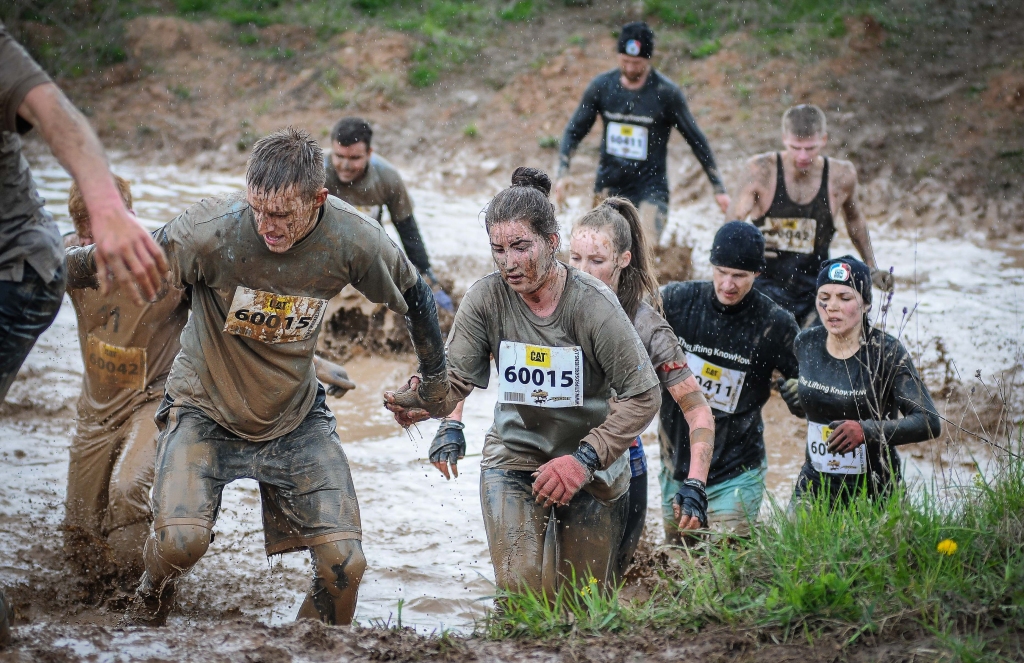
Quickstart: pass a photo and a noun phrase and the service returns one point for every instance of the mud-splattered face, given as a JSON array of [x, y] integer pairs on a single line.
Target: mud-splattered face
[[633, 68], [732, 285], [840, 308], [805, 150], [591, 250], [524, 258], [284, 217], [350, 161]]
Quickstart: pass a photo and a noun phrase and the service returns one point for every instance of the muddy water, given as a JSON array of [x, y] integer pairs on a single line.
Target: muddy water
[[423, 536]]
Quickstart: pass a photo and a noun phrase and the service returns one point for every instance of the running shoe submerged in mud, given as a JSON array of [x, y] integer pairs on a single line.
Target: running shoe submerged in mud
[[150, 605]]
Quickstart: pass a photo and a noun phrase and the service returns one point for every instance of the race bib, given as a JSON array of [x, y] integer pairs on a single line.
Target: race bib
[[114, 366], [627, 141], [540, 376], [272, 318], [793, 235], [822, 460], [721, 385]]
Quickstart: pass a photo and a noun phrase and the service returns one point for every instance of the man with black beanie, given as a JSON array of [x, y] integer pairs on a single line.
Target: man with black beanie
[[639, 107], [734, 337]]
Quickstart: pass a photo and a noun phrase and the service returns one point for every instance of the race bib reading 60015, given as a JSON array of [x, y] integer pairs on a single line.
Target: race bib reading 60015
[[273, 318], [823, 460], [793, 235], [114, 366], [721, 385], [627, 141], [540, 376]]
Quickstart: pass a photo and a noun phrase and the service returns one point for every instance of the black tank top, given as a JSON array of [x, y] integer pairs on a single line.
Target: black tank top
[[802, 234]]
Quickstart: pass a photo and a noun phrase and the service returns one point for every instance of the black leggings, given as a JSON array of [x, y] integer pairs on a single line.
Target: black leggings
[[636, 516]]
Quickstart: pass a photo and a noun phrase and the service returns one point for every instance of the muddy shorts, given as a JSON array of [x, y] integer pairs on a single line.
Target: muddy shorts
[[530, 549], [305, 484], [732, 504], [27, 308], [653, 214]]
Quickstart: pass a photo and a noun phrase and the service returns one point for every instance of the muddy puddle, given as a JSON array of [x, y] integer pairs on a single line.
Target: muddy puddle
[[423, 536]]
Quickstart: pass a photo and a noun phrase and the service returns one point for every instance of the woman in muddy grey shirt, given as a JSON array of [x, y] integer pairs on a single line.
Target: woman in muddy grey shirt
[[575, 389]]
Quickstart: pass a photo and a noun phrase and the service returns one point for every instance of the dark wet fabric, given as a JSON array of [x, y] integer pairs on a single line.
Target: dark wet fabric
[[756, 337], [305, 483], [28, 234], [659, 106], [425, 328], [874, 387], [793, 276], [586, 534], [636, 518], [27, 308], [412, 242]]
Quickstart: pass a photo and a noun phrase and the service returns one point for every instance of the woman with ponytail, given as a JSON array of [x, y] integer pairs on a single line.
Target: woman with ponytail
[[609, 244], [575, 389]]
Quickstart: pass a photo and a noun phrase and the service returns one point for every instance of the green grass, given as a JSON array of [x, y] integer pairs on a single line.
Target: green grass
[[866, 568]]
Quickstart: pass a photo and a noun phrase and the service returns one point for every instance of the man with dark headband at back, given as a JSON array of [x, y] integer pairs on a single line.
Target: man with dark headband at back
[[639, 107], [242, 400], [368, 182]]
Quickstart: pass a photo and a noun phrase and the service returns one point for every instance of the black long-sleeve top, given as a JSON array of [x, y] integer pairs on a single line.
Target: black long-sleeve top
[[657, 107], [873, 387]]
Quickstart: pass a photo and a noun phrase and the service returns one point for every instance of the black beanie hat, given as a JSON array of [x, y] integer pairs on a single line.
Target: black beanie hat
[[847, 271], [637, 39], [738, 245]]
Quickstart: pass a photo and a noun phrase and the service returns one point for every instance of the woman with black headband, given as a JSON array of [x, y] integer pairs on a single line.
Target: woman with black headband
[[855, 382], [576, 387]]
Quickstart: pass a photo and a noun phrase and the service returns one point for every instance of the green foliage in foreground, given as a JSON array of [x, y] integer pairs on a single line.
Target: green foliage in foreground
[[865, 568]]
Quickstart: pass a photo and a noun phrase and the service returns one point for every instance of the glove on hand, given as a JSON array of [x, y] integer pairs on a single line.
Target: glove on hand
[[557, 481], [846, 436], [882, 280], [448, 447], [420, 399], [334, 378], [691, 500], [788, 389]]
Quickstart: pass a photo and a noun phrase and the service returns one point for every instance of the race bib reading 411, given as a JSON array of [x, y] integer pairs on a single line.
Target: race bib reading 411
[[793, 235], [627, 141], [540, 376], [721, 385], [273, 318], [823, 460]]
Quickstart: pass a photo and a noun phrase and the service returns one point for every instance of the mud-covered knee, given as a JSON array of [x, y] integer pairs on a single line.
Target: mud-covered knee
[[176, 548], [339, 564]]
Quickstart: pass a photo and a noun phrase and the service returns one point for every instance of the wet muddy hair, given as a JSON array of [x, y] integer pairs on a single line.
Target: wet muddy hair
[[352, 130], [76, 203], [637, 280], [285, 158], [804, 121], [526, 200]]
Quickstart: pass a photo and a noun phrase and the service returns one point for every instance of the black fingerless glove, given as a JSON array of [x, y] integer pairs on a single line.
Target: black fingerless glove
[[788, 390], [588, 457], [449, 443], [693, 500]]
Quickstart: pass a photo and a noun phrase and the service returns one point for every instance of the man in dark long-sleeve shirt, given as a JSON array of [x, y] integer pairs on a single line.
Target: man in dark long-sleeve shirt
[[639, 107]]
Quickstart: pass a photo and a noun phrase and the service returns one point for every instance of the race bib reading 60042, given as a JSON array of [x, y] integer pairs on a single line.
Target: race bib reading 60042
[[721, 385], [114, 366], [540, 376], [793, 235], [627, 141], [823, 460], [273, 318]]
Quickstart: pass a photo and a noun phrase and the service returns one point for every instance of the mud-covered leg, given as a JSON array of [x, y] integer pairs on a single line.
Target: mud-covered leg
[[338, 569], [170, 552], [589, 532]]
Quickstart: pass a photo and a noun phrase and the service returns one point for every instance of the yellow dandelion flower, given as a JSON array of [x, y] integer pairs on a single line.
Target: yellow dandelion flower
[[946, 547], [593, 580]]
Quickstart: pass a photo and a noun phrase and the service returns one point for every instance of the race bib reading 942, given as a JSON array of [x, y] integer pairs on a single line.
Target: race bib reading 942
[[540, 376], [114, 366], [823, 460], [273, 318], [793, 235], [721, 385], [627, 141]]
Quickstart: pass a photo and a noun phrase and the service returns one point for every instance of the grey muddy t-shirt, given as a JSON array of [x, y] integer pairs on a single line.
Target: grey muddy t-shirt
[[28, 234], [381, 186], [588, 316]]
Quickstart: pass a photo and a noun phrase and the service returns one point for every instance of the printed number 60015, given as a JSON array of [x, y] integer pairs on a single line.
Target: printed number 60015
[[536, 376], [273, 320]]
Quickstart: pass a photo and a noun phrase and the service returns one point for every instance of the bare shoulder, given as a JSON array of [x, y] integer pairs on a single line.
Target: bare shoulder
[[842, 175], [761, 168]]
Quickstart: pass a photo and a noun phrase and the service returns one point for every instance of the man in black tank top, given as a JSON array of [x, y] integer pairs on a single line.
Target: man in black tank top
[[798, 234]]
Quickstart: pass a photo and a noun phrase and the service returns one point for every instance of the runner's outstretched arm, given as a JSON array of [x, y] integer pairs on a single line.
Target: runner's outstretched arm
[[124, 249], [412, 242], [749, 202], [579, 126], [855, 224], [690, 398]]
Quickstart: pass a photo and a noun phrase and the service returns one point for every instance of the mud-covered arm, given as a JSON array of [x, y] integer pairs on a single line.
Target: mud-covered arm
[[425, 330], [579, 126], [687, 126], [81, 267], [856, 225], [920, 420], [412, 242], [627, 418]]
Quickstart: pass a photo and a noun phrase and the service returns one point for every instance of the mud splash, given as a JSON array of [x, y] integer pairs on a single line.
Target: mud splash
[[423, 536]]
